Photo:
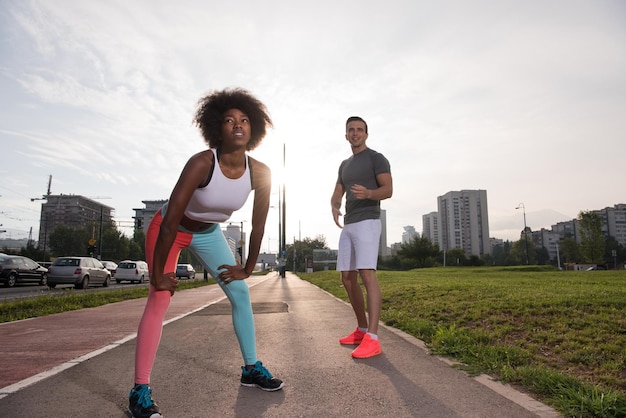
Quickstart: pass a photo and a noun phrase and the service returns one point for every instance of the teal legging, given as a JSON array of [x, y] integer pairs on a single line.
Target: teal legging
[[211, 247]]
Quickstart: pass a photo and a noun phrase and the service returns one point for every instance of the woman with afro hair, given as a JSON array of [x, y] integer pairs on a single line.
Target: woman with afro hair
[[213, 184]]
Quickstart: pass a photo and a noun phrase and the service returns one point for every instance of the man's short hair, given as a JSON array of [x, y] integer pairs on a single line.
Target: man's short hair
[[356, 118]]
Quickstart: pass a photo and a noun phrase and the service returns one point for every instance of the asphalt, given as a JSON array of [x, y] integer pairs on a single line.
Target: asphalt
[[80, 363]]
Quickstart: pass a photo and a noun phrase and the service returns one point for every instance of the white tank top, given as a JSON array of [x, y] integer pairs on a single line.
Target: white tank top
[[216, 201]]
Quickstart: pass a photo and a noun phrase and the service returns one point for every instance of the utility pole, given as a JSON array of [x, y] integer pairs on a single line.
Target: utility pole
[[283, 239], [521, 205], [44, 217], [99, 242], [241, 243]]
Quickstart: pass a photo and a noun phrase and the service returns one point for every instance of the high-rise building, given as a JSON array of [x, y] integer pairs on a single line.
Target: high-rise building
[[73, 211], [236, 240], [143, 216], [464, 221], [613, 224], [409, 234], [566, 229], [430, 228], [546, 239]]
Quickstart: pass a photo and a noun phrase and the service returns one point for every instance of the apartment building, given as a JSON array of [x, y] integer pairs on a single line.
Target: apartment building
[[613, 224], [409, 234], [430, 228], [462, 221], [547, 239], [71, 210], [144, 215]]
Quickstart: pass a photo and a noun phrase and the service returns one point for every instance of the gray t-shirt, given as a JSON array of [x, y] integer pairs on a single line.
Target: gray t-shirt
[[362, 168]]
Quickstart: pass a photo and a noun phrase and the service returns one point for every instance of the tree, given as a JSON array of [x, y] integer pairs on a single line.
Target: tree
[[456, 257], [542, 255], [115, 246], [418, 253], [501, 254], [518, 252], [592, 242], [68, 240], [138, 245], [474, 261], [32, 252], [303, 249], [614, 252], [570, 250]]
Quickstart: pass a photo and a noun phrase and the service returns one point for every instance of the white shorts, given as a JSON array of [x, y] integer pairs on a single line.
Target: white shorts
[[358, 246]]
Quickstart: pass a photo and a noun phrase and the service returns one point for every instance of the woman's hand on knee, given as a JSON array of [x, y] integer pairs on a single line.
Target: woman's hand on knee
[[166, 281], [230, 273]]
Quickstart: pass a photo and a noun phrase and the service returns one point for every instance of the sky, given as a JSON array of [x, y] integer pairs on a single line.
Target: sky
[[523, 99]]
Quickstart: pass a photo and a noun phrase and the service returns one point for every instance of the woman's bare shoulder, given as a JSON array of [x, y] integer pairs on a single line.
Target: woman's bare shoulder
[[261, 174], [201, 158], [258, 166]]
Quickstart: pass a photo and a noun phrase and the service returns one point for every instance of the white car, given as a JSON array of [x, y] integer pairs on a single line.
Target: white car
[[132, 271]]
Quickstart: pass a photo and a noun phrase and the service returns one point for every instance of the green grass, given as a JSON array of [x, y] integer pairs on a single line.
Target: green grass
[[559, 334]]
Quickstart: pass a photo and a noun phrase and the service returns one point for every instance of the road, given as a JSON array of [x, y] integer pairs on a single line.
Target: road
[[30, 291]]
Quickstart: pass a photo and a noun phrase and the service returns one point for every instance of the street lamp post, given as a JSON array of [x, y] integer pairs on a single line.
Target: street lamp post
[[521, 205], [241, 242], [99, 253], [283, 223], [100, 235]]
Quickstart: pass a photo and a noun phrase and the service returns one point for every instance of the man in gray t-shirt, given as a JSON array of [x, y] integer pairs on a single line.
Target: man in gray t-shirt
[[365, 179]]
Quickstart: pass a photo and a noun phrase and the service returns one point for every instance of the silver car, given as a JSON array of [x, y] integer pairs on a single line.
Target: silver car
[[111, 266], [185, 271], [79, 271]]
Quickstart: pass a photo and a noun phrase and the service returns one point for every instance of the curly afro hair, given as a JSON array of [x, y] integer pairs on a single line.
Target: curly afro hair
[[212, 107]]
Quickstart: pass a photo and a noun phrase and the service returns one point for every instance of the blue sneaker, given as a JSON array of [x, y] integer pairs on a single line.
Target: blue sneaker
[[261, 378], [140, 403]]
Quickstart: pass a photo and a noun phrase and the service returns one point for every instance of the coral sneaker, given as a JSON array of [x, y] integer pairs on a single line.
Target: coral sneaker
[[368, 348], [353, 339]]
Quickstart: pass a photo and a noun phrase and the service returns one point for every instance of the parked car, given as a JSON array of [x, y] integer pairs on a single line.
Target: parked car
[[111, 266], [18, 269], [132, 271], [186, 271], [598, 267], [79, 271]]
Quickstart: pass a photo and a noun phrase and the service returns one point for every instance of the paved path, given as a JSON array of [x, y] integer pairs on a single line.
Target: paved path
[[80, 364]]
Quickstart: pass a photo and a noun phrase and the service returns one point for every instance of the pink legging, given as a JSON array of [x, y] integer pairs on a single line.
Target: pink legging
[[211, 247]]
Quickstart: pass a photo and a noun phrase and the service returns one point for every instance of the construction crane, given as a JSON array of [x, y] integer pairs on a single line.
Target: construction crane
[[44, 197]]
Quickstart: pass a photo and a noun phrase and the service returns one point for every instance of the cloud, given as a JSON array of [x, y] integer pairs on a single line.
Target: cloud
[[521, 99]]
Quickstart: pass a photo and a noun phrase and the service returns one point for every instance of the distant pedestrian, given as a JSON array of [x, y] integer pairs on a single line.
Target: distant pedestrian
[[365, 179], [213, 184]]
